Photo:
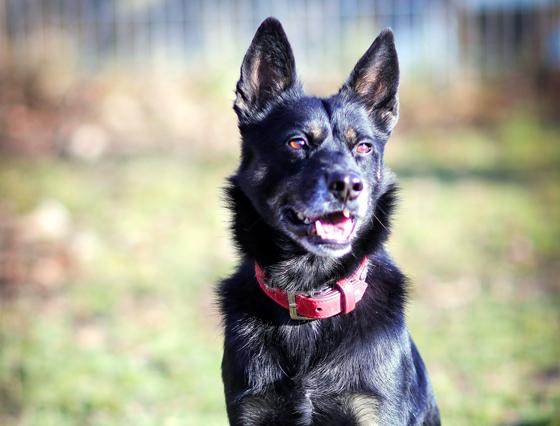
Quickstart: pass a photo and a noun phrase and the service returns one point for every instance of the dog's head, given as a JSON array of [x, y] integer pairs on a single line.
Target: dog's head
[[313, 167]]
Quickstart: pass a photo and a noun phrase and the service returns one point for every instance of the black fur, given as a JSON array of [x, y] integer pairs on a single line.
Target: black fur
[[361, 368]]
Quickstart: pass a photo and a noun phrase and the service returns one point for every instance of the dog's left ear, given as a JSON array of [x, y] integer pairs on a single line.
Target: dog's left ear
[[268, 70], [375, 81]]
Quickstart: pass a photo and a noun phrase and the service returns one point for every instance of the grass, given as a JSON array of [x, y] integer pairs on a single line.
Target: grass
[[131, 336]]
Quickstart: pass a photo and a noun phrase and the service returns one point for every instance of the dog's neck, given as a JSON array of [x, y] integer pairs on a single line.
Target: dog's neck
[[289, 266]]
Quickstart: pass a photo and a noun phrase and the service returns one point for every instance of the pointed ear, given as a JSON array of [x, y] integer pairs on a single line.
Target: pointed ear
[[375, 81], [267, 71]]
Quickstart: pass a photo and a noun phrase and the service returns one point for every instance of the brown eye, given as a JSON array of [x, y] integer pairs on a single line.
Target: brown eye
[[297, 143], [363, 148]]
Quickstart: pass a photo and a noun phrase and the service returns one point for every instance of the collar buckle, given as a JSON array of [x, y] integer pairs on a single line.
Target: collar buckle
[[292, 306]]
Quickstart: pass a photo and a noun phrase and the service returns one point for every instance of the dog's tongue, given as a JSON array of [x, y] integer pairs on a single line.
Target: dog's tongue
[[338, 230]]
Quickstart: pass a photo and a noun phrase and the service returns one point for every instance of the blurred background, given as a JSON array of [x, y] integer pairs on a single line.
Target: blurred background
[[116, 134]]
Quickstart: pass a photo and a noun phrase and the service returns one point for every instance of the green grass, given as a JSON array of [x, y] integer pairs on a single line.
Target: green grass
[[133, 337]]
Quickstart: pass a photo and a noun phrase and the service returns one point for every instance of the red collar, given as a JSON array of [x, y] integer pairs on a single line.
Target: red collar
[[318, 305]]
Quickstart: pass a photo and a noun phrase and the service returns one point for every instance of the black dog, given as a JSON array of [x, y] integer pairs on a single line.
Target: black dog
[[311, 202]]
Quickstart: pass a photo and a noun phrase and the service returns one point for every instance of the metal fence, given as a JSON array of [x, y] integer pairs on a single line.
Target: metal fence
[[435, 37]]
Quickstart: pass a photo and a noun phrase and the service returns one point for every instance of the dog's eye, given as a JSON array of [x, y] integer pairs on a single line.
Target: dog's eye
[[363, 148], [297, 143]]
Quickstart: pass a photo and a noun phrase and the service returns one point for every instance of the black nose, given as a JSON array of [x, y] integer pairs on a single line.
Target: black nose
[[345, 186]]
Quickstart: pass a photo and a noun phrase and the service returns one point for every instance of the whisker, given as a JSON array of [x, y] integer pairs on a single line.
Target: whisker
[[381, 223]]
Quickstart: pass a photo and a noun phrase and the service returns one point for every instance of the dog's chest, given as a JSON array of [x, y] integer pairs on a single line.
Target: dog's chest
[[315, 360]]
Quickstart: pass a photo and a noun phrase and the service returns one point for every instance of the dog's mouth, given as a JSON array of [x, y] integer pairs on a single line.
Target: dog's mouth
[[332, 228]]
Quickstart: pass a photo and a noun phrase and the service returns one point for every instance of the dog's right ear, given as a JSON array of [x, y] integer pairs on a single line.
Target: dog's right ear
[[268, 70]]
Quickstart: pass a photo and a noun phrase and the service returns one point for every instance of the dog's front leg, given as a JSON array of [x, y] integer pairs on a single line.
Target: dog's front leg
[[255, 390], [260, 410]]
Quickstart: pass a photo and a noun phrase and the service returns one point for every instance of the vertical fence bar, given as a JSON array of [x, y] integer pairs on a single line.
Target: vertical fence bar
[[4, 35]]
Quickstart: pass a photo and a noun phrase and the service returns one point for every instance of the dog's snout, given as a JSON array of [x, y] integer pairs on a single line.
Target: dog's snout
[[345, 186]]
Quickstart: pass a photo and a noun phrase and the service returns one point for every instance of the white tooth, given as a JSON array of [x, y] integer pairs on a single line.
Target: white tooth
[[346, 213], [307, 221], [319, 228]]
